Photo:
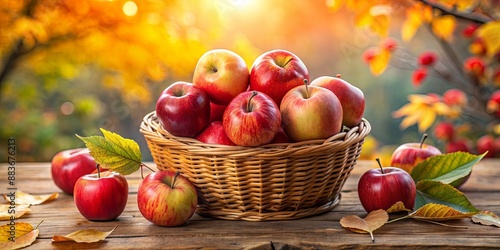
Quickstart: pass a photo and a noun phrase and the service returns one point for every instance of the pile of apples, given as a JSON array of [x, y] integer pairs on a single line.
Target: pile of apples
[[273, 101]]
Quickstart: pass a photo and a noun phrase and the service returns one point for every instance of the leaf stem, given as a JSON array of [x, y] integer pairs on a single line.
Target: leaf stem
[[38, 224], [441, 224], [398, 219]]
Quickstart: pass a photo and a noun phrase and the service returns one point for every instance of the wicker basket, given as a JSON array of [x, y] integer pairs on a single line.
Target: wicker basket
[[272, 182]]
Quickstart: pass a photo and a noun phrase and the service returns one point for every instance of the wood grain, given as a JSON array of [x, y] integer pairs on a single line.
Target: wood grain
[[61, 217]]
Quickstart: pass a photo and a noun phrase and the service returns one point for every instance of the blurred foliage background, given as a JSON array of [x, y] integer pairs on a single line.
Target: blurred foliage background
[[70, 67]]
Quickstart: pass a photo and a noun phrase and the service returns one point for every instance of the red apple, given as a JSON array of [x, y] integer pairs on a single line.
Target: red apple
[[251, 119], [281, 137], [444, 131], [311, 112], [214, 134], [101, 197], [457, 146], [166, 198], [222, 74], [69, 165], [408, 155], [183, 109], [350, 96], [380, 188], [275, 72], [216, 111], [486, 143]]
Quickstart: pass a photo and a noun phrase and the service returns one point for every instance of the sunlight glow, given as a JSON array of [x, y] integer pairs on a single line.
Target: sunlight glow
[[130, 8]]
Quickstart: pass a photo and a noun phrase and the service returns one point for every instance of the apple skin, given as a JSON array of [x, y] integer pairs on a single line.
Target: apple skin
[[216, 111], [377, 190], [183, 109], [101, 199], [408, 155], [69, 165], [281, 137], [214, 134], [276, 72], [350, 96], [222, 74], [163, 205], [317, 115], [251, 119]]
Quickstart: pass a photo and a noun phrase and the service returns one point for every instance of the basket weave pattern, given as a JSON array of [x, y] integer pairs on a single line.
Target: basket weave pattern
[[272, 182]]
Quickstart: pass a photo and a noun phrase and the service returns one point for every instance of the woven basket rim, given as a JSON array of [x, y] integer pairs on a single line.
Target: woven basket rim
[[151, 128]]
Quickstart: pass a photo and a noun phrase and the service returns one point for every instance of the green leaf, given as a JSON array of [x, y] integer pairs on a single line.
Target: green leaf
[[114, 152], [448, 168], [436, 192]]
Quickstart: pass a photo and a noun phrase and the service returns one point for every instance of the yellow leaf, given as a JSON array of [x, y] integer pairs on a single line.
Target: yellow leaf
[[428, 117], [374, 220], [398, 207], [23, 198], [444, 26], [490, 34], [376, 19], [439, 212], [408, 29], [14, 237], [83, 236], [9, 211], [334, 5], [379, 62]]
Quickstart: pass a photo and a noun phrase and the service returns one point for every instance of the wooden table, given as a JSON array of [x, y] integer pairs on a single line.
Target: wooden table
[[317, 232]]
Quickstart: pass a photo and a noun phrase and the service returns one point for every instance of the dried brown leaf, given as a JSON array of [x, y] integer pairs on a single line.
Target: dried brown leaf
[[7, 212], [83, 236], [23, 198], [486, 218], [370, 223], [24, 235], [398, 207]]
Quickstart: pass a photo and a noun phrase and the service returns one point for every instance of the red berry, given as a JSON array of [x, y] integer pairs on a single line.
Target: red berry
[[369, 54], [389, 44], [427, 58], [475, 66], [418, 76], [469, 30], [455, 97]]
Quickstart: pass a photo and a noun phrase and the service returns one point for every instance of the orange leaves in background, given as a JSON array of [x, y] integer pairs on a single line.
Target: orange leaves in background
[[376, 18], [416, 15], [444, 26], [489, 33], [378, 57]]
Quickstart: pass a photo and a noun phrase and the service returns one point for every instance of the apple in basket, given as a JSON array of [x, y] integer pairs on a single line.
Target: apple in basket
[[311, 112], [214, 134], [222, 74], [69, 165], [167, 198], [183, 109], [275, 72], [251, 119], [350, 96]]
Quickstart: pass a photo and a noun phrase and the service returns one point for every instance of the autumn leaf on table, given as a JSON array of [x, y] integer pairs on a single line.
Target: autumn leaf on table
[[398, 207], [114, 152], [23, 198], [486, 218], [83, 236], [369, 224], [447, 168], [438, 201], [20, 210], [25, 235]]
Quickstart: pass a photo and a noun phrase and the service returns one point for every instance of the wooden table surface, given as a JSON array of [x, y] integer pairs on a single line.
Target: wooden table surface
[[61, 217]]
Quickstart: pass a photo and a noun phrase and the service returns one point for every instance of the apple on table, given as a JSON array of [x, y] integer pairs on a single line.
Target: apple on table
[[276, 72], [381, 188], [167, 198], [251, 119], [183, 109], [222, 74], [350, 96], [101, 196], [69, 165], [311, 112]]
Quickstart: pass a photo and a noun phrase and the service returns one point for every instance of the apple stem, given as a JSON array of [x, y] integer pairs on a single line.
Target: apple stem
[[380, 165], [98, 171], [307, 88], [175, 178], [254, 93], [424, 136]]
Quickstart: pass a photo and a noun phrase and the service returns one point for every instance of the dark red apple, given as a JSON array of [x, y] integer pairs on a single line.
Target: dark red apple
[[214, 134], [380, 188], [251, 119], [216, 111], [275, 72], [457, 146], [486, 143], [408, 155], [183, 109], [69, 165], [281, 137], [350, 96], [102, 196]]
